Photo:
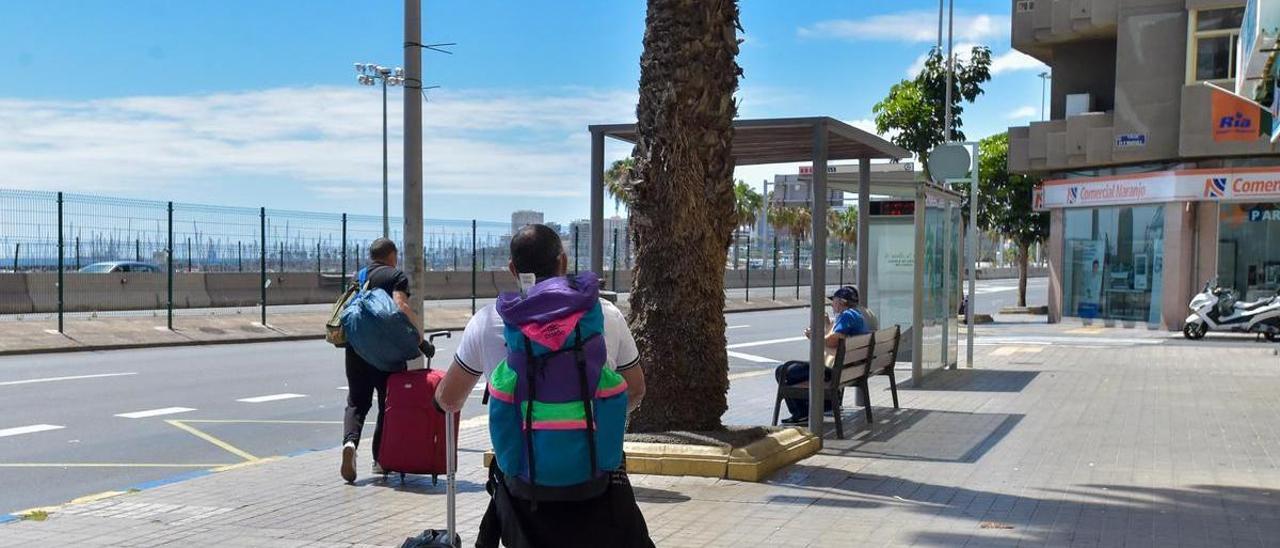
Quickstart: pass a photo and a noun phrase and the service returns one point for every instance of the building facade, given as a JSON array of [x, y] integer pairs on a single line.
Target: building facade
[[1158, 161], [792, 189], [525, 217]]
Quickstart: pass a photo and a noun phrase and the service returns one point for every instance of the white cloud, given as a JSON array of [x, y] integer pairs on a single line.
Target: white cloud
[[328, 139], [909, 26], [1023, 113], [1014, 60], [1009, 61]]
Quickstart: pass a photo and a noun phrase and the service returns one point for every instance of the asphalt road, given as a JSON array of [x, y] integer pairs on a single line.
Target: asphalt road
[[82, 423], [62, 435]]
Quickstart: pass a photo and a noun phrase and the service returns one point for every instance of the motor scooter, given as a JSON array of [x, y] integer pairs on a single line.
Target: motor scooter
[[1217, 308]]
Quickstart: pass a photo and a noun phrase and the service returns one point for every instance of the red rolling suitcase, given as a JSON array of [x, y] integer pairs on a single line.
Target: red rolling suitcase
[[413, 430]]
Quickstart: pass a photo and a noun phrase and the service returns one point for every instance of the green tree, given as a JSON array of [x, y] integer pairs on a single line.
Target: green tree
[[617, 181], [1005, 204], [747, 205], [683, 210], [843, 226], [914, 111]]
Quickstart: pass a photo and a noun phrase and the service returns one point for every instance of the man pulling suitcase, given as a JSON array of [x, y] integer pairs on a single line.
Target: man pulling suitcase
[[563, 373]]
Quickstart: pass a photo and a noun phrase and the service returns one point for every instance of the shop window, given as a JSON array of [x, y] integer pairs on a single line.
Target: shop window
[[1249, 249], [1214, 38], [1114, 263]]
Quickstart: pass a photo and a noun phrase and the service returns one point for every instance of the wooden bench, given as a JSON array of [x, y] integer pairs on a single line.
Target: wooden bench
[[856, 360]]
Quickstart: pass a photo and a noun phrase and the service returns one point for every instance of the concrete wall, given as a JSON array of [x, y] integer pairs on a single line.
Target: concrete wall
[[14, 294], [1207, 218], [1056, 228], [37, 292], [1151, 58], [1179, 262]]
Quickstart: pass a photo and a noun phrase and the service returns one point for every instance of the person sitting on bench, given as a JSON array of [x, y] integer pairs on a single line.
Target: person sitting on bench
[[850, 321]]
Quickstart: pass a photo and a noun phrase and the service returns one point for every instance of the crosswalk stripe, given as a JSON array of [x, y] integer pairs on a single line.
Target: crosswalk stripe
[[271, 397], [29, 429], [155, 412]]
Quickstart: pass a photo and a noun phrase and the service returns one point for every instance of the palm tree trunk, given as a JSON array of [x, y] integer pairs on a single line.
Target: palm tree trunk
[[684, 209]]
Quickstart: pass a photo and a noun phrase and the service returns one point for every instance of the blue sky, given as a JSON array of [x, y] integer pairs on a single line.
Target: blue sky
[[253, 103]]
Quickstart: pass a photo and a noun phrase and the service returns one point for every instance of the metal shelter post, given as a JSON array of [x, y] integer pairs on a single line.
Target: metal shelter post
[[971, 249], [817, 286], [864, 229], [597, 202], [917, 297]]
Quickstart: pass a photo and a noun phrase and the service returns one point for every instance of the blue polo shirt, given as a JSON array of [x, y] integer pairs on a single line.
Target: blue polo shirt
[[850, 323]]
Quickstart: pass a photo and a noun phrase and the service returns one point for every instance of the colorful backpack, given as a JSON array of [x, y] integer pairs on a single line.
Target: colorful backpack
[[566, 448]]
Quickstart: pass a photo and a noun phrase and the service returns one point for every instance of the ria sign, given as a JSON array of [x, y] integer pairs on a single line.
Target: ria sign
[[1237, 118]]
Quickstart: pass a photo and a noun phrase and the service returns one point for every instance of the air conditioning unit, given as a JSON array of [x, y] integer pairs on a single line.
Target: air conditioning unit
[[1079, 103]]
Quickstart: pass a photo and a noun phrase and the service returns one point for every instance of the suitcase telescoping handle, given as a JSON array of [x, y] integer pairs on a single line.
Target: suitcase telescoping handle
[[431, 337], [451, 464]]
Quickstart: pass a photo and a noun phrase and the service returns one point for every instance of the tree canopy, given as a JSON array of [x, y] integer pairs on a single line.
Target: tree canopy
[[914, 111]]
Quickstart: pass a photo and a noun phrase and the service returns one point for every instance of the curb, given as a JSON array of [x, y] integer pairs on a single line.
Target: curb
[[168, 344]]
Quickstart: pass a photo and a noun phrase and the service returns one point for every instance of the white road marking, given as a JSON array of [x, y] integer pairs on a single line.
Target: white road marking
[[29, 429], [155, 412], [764, 343], [736, 326], [343, 388], [271, 397], [752, 358], [71, 378]]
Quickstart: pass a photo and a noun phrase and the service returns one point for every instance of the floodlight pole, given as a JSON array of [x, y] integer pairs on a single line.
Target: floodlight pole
[[386, 216]]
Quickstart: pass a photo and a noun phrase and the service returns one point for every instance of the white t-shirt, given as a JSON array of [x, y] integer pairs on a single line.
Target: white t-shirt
[[483, 347]]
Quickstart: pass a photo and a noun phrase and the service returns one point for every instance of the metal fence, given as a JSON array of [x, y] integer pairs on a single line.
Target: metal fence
[[193, 258]]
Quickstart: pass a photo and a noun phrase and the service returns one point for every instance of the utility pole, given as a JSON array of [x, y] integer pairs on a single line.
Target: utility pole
[[413, 251], [940, 4], [951, 67]]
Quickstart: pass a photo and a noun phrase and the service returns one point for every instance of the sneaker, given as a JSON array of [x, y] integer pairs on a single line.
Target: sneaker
[[349, 461], [377, 469], [794, 421]]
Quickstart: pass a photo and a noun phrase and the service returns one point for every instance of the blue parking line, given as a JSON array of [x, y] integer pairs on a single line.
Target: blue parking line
[[172, 479]]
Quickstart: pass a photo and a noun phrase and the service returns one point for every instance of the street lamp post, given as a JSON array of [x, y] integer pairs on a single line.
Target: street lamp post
[[367, 74], [1044, 81]]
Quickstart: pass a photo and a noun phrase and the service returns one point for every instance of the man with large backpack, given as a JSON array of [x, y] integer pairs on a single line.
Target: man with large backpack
[[363, 378], [562, 374]]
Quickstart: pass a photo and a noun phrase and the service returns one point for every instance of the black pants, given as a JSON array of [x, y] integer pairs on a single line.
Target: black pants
[[612, 519], [791, 374], [362, 380]]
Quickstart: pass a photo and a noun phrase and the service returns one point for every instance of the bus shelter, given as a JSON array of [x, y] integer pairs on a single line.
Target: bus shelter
[[908, 220], [920, 295]]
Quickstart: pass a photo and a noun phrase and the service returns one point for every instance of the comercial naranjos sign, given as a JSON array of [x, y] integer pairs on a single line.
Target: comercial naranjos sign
[[1240, 185]]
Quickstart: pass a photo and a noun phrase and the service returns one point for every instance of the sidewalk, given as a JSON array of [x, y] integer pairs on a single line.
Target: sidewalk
[[1129, 445], [135, 330]]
